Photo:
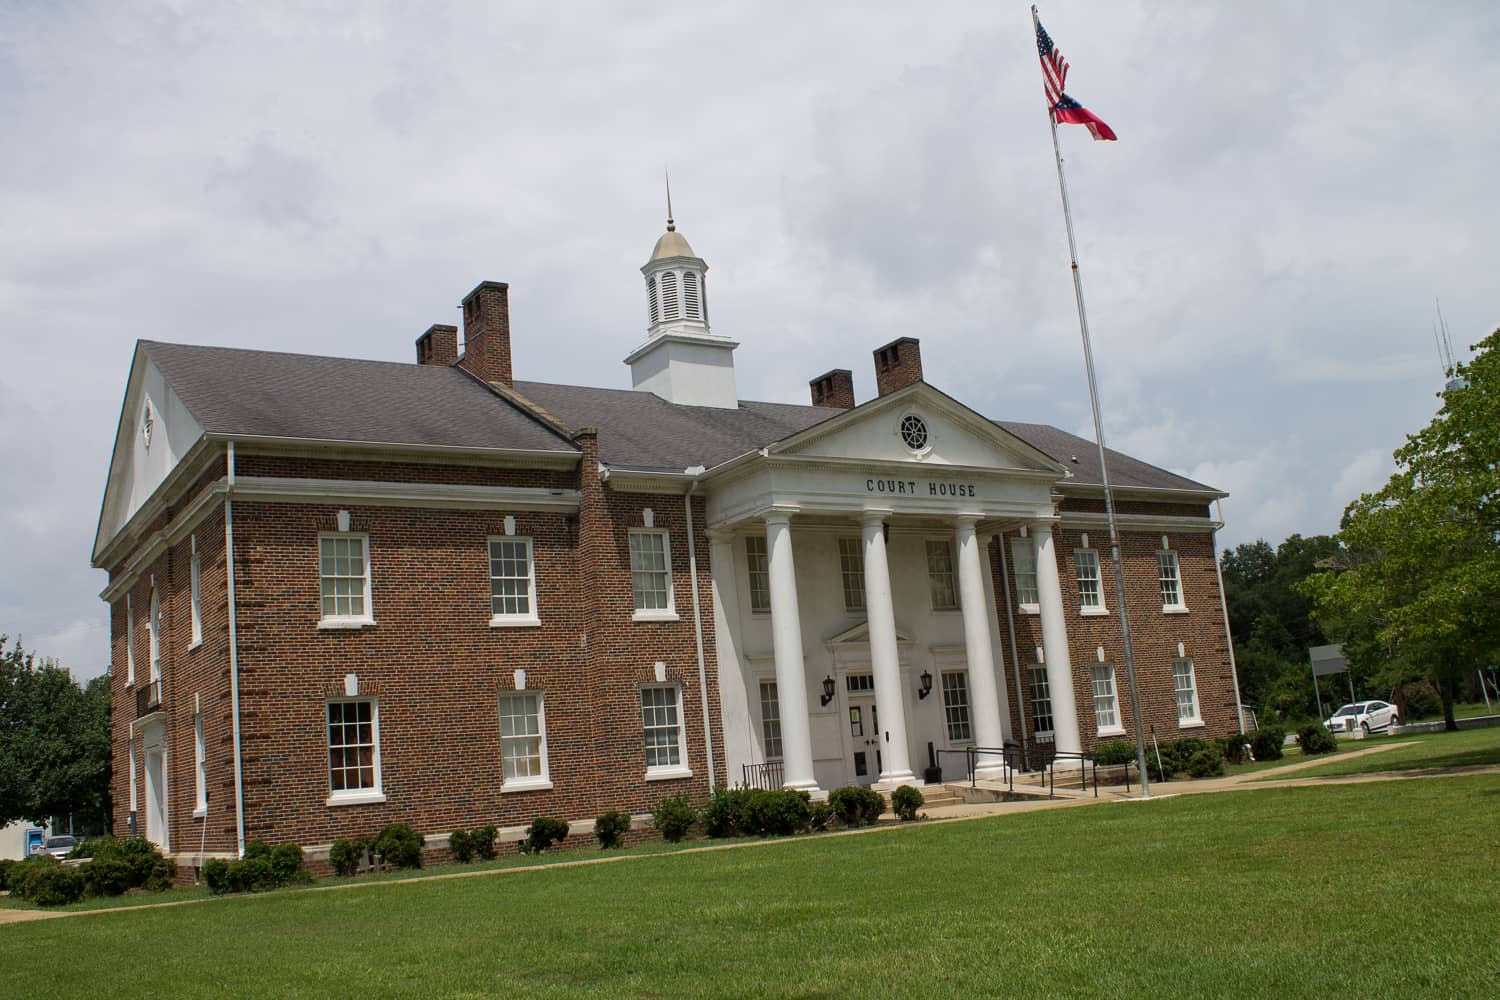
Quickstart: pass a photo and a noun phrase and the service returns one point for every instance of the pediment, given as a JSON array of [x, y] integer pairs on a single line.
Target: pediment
[[859, 635], [920, 426]]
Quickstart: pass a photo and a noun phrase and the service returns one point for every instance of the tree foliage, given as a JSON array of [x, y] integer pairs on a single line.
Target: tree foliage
[[54, 741], [1418, 570]]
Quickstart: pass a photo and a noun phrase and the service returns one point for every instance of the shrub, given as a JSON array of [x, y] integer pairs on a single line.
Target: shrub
[[724, 813], [1234, 747], [216, 875], [674, 817], [461, 846], [144, 863], [258, 849], [22, 873], [776, 813], [286, 864], [54, 885], [399, 846], [820, 816], [1420, 701], [905, 801], [543, 832], [346, 856], [252, 874], [106, 876], [1266, 743], [1206, 763], [1314, 739], [5, 866], [1114, 752], [611, 827], [856, 805], [483, 841]]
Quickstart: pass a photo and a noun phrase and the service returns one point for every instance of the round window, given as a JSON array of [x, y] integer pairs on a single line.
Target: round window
[[914, 432]]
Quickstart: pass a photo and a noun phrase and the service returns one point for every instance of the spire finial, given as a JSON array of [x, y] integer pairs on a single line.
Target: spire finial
[[671, 227]]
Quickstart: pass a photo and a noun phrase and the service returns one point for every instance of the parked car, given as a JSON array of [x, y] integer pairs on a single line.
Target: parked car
[[1371, 716], [60, 847]]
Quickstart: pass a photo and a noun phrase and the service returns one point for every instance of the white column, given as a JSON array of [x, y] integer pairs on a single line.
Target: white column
[[791, 673], [734, 700], [1055, 642], [885, 658], [984, 697]]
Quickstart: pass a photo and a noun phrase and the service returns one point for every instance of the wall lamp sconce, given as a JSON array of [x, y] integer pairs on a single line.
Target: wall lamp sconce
[[926, 688], [827, 689]]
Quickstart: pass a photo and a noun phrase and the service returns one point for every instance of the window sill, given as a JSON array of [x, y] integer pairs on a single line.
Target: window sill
[[655, 616], [1043, 737], [1196, 724], [200, 813], [1093, 612], [515, 621], [525, 785], [1030, 609], [947, 611], [343, 624], [1112, 731], [1176, 609], [195, 644], [669, 773], [356, 798]]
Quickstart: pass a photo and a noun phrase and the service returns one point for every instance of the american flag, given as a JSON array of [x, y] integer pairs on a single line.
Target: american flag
[[1054, 75]]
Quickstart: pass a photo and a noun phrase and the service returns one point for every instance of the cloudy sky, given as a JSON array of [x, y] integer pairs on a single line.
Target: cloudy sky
[[1293, 187]]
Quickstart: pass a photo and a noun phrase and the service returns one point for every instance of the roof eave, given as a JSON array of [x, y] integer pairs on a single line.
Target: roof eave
[[508, 457]]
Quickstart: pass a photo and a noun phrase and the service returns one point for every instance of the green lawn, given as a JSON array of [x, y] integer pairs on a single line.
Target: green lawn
[[1275, 892], [1465, 748]]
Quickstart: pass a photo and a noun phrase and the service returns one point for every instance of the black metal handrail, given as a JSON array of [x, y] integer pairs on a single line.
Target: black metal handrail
[[767, 776], [1086, 766], [971, 757]]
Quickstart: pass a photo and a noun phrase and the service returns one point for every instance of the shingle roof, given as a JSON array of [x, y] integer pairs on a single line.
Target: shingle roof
[[1080, 456], [265, 393], [271, 394], [640, 430]]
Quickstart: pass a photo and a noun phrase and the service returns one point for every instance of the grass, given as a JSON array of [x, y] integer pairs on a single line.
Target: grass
[[1465, 748], [1268, 893]]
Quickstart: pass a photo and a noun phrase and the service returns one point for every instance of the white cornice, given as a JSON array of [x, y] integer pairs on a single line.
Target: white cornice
[[643, 481], [419, 453], [153, 546], [276, 489], [1073, 488], [1141, 522], [198, 458]]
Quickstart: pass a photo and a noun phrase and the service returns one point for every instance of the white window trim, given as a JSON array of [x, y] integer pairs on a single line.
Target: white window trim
[[760, 701], [844, 591], [530, 620], [195, 592], [129, 645], [1196, 720], [153, 628], [359, 796], [1103, 608], [750, 583], [1040, 735], [1024, 607], [1180, 608], [346, 621], [670, 771], [536, 783], [968, 709], [1118, 729], [957, 607], [669, 613], [200, 768]]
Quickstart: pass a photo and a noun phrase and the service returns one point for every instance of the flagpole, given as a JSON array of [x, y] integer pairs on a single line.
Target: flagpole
[[1109, 503]]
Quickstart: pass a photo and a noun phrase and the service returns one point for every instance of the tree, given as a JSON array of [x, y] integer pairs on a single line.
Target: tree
[[1419, 562], [54, 741]]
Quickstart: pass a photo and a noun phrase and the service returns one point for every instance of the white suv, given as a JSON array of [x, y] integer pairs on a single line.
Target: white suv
[[1371, 716]]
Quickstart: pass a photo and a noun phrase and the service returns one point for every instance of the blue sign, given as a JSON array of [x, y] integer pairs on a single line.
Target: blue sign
[[36, 837]]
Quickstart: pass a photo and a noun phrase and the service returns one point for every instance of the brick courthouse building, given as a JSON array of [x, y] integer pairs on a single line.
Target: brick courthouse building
[[459, 598]]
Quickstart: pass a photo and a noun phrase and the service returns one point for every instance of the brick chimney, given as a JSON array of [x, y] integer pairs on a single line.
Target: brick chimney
[[835, 389], [438, 346], [487, 332], [897, 365]]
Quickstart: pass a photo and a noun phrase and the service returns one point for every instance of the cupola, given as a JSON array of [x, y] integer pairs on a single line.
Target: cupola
[[681, 361]]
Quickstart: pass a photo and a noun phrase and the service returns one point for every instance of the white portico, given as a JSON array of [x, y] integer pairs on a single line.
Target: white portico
[[854, 597]]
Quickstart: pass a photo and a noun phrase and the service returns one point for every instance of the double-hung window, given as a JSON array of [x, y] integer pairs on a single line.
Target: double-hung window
[[661, 720], [852, 569], [344, 567], [1023, 556], [512, 582], [353, 751], [651, 573], [760, 573], [940, 581], [200, 767], [1185, 688], [1090, 594], [195, 585], [129, 641], [1041, 702], [770, 720], [956, 706], [153, 629], [523, 742], [1171, 581], [1106, 707]]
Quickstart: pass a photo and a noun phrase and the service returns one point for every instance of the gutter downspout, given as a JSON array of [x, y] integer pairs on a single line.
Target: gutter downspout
[[1234, 673], [708, 735], [1015, 654], [234, 656]]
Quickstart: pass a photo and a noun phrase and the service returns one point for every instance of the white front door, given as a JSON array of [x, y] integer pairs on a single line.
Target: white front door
[[156, 796], [864, 740]]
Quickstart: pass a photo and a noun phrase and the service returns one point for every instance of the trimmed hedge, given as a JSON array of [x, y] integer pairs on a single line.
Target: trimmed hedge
[[544, 832], [760, 812], [1267, 742], [1315, 739], [905, 801], [856, 805], [346, 856], [398, 846], [45, 881], [674, 817], [611, 828], [460, 846], [1114, 752]]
